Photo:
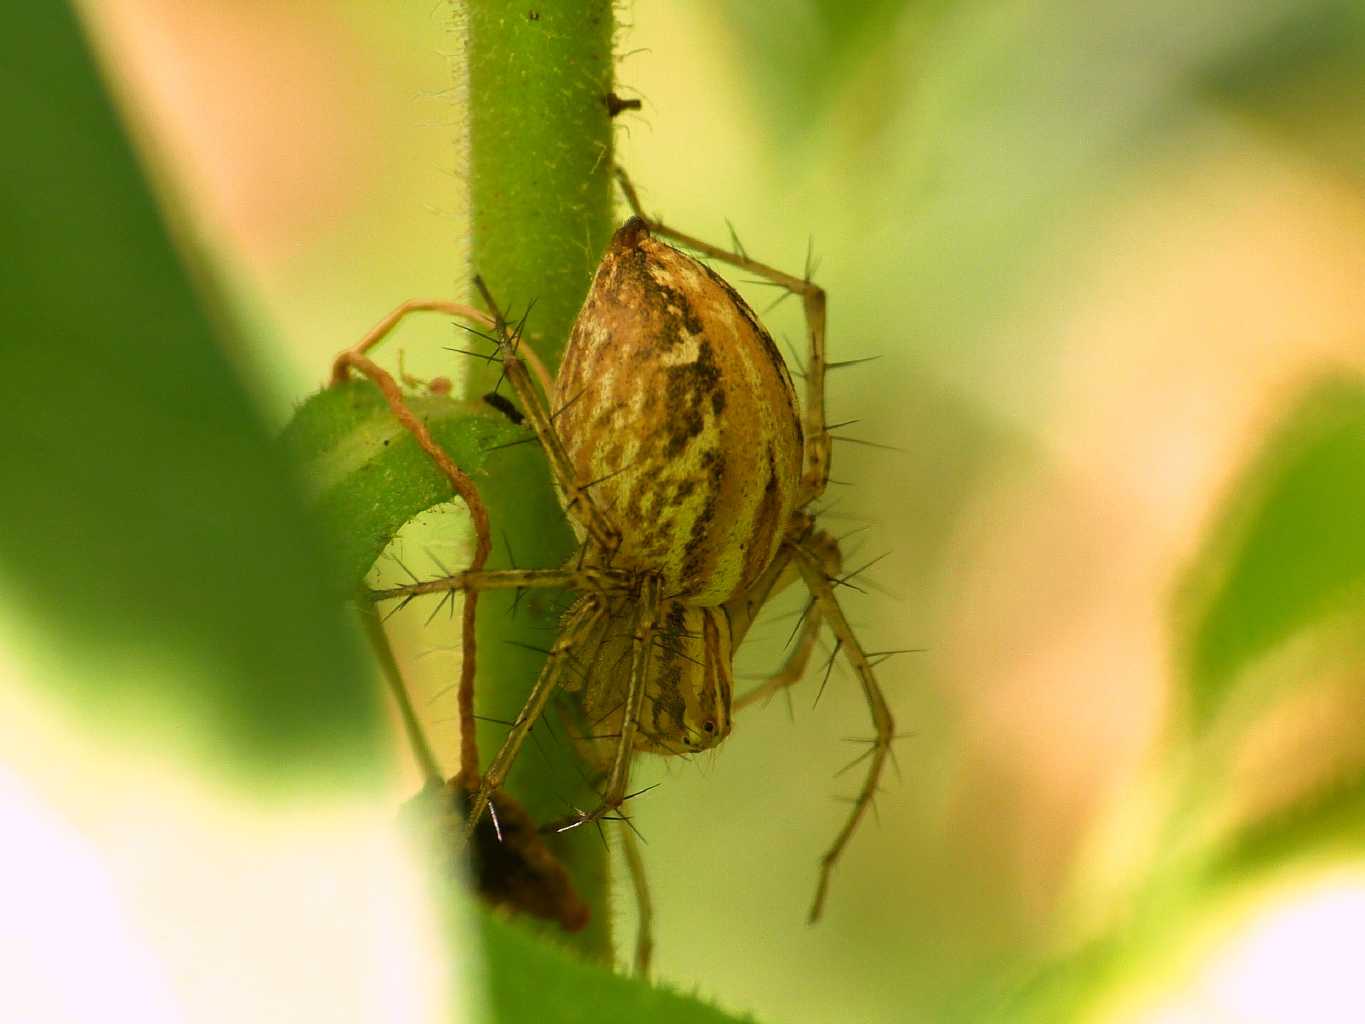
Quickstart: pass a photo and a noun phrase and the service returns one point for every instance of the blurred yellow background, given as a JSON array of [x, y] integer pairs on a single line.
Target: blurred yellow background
[[1095, 275]]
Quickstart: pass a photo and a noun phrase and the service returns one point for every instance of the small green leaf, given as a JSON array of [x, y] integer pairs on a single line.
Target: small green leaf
[[370, 476], [1287, 550]]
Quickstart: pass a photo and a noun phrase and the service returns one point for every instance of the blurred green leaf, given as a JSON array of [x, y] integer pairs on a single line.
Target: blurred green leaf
[[154, 537], [1329, 820], [1285, 552], [1303, 75], [1296, 48], [1165, 919], [1288, 548]]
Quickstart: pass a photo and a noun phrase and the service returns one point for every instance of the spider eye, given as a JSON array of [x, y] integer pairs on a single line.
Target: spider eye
[[708, 726]]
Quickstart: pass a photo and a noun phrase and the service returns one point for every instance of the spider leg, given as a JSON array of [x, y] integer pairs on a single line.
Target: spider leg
[[355, 358], [579, 623], [818, 582], [645, 623], [642, 640], [351, 357], [781, 574], [412, 723], [644, 929], [793, 670], [586, 580], [816, 450], [577, 500]]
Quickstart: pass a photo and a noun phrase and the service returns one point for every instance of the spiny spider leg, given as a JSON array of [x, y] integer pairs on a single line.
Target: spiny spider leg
[[826, 548], [817, 581], [634, 866], [347, 359], [793, 670], [646, 621], [579, 622], [587, 580], [355, 358], [816, 448], [577, 501]]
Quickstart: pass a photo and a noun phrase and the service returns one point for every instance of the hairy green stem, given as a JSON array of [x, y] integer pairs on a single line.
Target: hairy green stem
[[539, 168]]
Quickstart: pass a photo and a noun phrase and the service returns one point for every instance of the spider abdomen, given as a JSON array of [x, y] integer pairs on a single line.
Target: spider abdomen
[[678, 409]]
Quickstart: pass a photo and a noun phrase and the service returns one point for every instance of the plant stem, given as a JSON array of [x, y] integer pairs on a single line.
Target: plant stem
[[539, 158], [539, 168]]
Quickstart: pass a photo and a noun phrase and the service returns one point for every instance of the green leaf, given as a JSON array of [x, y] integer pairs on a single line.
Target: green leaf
[[371, 477], [155, 545], [1169, 915], [533, 980], [1285, 556], [1287, 550]]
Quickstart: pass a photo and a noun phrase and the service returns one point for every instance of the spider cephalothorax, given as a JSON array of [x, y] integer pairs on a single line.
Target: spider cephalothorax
[[688, 685]]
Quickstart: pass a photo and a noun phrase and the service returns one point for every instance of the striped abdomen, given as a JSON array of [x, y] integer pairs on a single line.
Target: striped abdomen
[[676, 402]]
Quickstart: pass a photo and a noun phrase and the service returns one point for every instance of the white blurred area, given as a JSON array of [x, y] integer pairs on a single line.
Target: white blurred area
[[1288, 956], [132, 888]]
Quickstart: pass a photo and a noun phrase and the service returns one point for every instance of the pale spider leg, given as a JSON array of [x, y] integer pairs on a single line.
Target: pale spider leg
[[642, 644], [576, 499], [644, 929], [578, 624], [821, 588], [345, 360], [778, 577], [355, 358], [412, 724], [635, 866], [793, 670], [815, 452], [543, 378], [587, 580]]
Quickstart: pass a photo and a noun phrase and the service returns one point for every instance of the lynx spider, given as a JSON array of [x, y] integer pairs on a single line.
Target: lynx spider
[[681, 626]]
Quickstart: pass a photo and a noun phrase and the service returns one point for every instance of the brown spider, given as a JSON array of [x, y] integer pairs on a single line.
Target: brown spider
[[686, 466]]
